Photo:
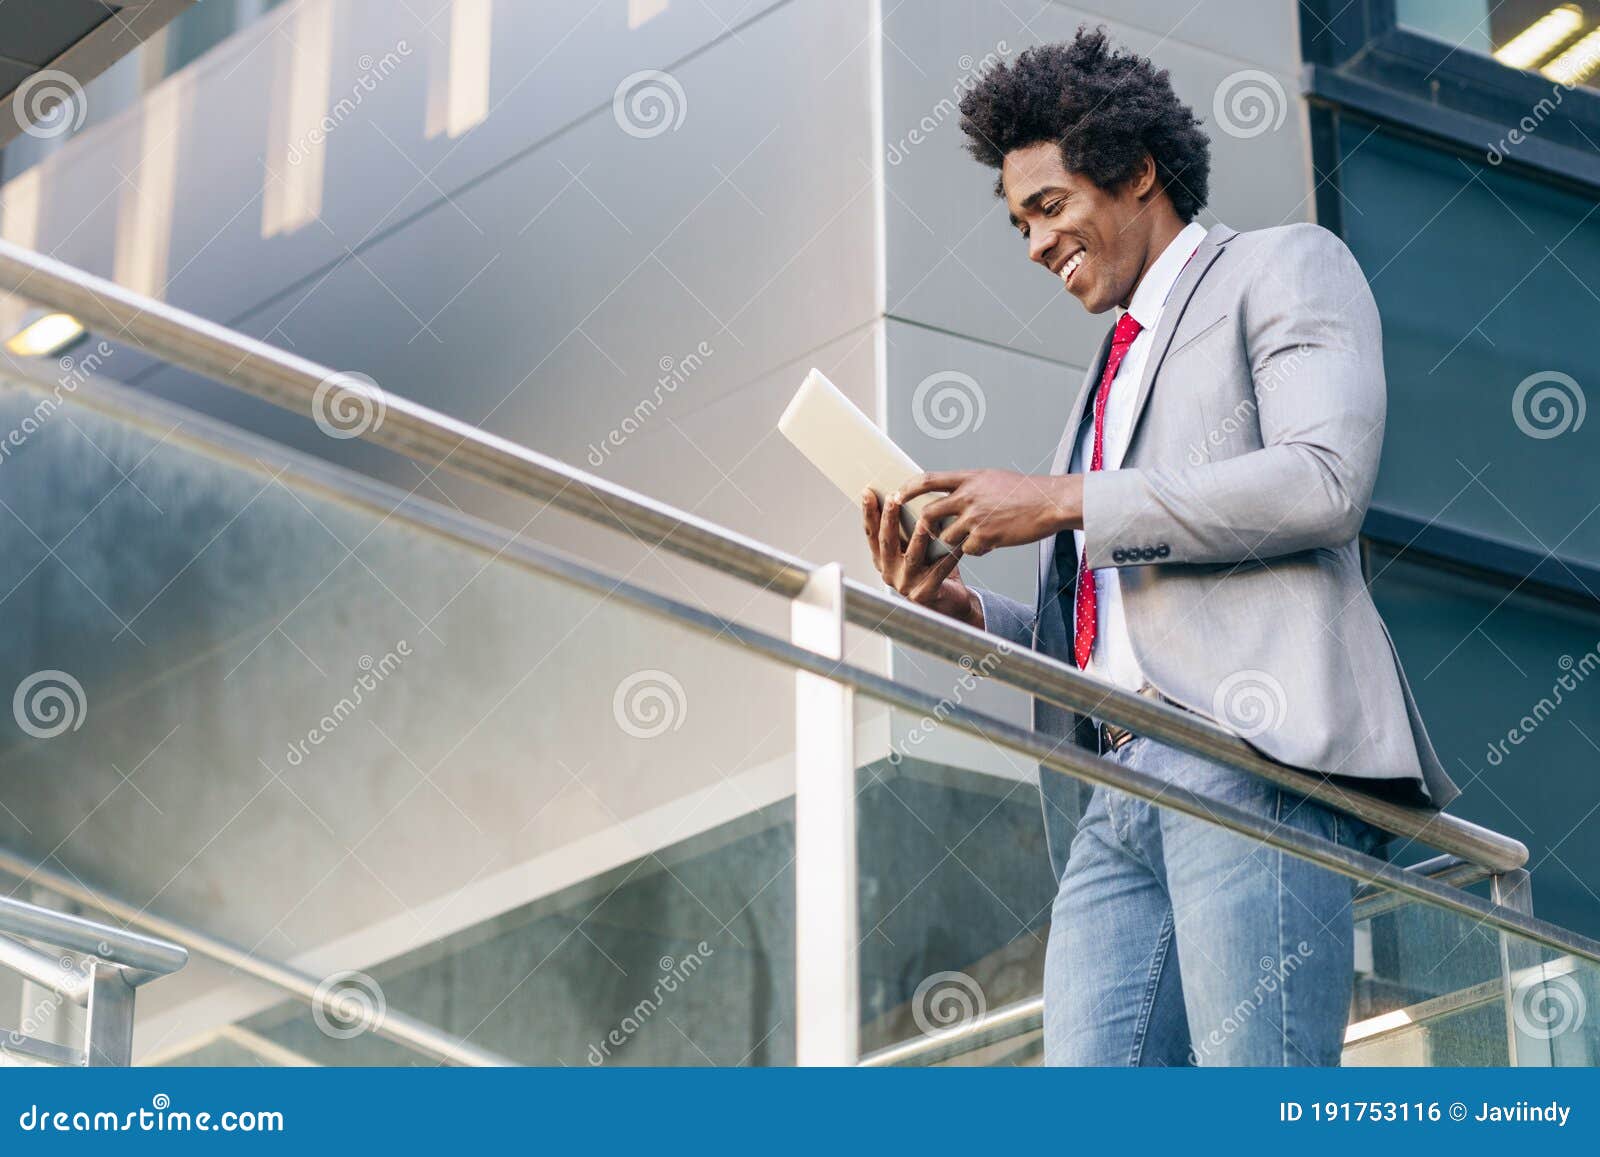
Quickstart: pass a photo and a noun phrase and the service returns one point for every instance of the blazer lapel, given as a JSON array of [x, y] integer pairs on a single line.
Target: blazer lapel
[[1171, 314], [1069, 439], [1177, 302]]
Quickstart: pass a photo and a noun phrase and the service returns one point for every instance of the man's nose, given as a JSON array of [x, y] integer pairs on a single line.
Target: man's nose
[[1040, 243]]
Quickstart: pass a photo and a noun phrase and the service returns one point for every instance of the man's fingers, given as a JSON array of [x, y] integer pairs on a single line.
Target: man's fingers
[[889, 532], [943, 507], [927, 586], [871, 516], [943, 567], [917, 548], [934, 480]]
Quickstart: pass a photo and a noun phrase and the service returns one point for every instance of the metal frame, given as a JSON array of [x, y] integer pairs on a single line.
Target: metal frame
[[116, 962], [1359, 57]]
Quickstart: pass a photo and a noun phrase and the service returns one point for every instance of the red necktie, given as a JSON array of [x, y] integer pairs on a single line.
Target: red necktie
[[1085, 616]]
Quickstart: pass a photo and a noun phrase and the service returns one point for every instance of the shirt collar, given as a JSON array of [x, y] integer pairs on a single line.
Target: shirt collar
[[1156, 287]]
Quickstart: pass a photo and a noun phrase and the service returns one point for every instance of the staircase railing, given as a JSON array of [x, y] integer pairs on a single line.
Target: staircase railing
[[304, 986], [102, 975], [823, 603]]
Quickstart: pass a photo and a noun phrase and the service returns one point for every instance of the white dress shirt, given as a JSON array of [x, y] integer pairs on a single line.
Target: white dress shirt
[[1112, 659]]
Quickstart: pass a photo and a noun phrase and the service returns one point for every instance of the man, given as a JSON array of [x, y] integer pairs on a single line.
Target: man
[[1216, 465]]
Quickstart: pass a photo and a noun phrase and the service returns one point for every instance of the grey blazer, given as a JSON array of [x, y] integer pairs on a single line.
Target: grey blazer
[[1234, 515]]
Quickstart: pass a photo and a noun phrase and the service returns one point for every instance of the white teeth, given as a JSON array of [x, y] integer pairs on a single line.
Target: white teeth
[[1072, 264]]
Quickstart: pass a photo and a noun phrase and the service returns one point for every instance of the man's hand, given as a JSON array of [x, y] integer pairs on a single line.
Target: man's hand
[[995, 508], [906, 568]]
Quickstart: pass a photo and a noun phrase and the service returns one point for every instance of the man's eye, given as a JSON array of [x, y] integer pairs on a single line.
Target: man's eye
[[1053, 208]]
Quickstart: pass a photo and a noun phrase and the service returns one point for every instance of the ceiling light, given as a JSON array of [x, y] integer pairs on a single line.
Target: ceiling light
[[1577, 63], [1540, 38], [45, 335]]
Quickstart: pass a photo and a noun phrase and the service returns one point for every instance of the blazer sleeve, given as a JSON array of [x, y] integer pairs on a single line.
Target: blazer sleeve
[[1005, 617], [1315, 352]]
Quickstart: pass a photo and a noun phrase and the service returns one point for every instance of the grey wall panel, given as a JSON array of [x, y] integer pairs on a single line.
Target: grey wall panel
[[240, 119], [552, 291], [953, 259], [1265, 35]]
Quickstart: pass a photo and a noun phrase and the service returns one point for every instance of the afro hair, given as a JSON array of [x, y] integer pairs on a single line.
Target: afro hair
[[1106, 108]]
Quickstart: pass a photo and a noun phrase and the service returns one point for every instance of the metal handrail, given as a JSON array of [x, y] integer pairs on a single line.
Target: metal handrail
[[394, 1025], [63, 976], [495, 544], [432, 438], [1437, 880], [146, 956]]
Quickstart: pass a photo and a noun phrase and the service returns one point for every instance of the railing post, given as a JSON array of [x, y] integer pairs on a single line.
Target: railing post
[[1514, 890], [827, 1001], [109, 1036], [46, 1015]]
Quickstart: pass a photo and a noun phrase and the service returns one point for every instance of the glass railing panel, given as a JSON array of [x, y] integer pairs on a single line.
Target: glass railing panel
[[535, 817], [968, 913], [955, 885], [531, 815]]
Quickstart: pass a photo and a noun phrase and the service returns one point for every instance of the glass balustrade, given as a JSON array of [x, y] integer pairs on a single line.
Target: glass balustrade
[[261, 698]]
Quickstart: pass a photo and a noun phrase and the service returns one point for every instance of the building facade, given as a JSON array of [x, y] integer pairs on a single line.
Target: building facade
[[620, 233]]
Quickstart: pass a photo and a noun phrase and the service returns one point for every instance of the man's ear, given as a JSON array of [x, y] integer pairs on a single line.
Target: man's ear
[[1144, 182]]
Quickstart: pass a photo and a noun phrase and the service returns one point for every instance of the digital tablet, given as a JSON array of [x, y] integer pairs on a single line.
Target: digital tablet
[[850, 449]]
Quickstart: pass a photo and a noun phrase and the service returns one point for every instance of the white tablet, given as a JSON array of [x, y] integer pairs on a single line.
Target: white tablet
[[850, 450]]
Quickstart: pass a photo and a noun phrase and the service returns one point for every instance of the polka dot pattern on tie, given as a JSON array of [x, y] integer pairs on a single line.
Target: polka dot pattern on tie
[[1086, 615]]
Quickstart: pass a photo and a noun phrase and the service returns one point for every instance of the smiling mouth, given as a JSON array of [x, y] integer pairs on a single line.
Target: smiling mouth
[[1069, 267]]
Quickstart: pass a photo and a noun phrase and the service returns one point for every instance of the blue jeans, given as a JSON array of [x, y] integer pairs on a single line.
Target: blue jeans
[[1175, 942]]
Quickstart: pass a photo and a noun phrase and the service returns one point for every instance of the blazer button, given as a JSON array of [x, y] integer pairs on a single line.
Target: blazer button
[[1163, 550], [1148, 553], [1119, 555]]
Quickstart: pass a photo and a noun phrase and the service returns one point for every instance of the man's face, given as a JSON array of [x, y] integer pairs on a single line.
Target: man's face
[[1093, 239]]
